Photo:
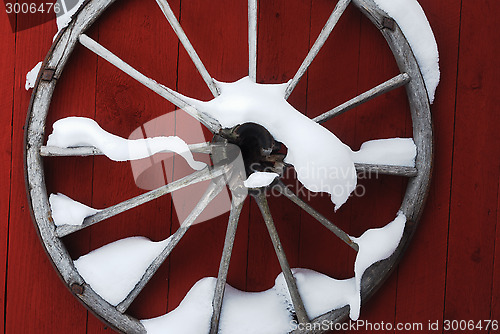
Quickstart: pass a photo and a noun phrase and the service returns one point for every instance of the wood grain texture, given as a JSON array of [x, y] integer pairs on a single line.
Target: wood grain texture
[[7, 68], [474, 203]]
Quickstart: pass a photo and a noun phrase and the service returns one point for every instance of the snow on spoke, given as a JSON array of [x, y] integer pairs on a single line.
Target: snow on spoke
[[326, 223], [396, 82], [212, 191], [323, 36], [202, 175], [297, 302], [252, 40], [169, 14], [165, 92], [83, 151], [392, 151], [237, 205]]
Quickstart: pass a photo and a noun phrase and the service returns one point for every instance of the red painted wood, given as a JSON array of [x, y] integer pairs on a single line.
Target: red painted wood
[[221, 44], [34, 289], [495, 293], [282, 44], [476, 170], [7, 61], [137, 33], [332, 80], [421, 275]]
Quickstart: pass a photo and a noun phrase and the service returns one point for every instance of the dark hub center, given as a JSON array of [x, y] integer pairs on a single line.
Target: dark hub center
[[259, 149]]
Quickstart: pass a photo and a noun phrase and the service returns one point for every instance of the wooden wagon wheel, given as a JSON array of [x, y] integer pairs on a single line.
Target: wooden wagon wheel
[[116, 316]]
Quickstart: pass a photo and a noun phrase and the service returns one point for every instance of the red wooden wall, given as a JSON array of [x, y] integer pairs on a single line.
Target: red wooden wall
[[451, 270]]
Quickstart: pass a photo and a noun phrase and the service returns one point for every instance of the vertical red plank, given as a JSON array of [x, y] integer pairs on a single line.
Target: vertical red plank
[[422, 273], [476, 163], [7, 63], [282, 44], [332, 79], [36, 300], [137, 32], [217, 30], [495, 293], [383, 117]]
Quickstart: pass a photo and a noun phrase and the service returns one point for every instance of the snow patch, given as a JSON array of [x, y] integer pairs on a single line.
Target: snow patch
[[114, 269], [393, 151], [245, 101], [238, 315], [31, 76], [273, 308], [260, 179], [375, 245], [66, 211], [411, 18], [82, 131]]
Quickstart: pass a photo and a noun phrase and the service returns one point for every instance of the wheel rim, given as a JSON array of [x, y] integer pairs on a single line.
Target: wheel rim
[[412, 204]]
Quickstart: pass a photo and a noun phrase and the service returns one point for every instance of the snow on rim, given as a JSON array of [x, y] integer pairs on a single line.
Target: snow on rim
[[412, 20]]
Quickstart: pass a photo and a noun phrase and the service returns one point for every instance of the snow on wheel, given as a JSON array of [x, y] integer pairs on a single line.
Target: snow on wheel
[[250, 123]]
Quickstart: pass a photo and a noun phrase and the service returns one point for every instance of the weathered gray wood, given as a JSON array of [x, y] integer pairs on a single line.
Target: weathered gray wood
[[83, 151], [323, 36], [325, 222], [212, 191], [298, 304], [252, 40], [169, 14], [234, 216], [383, 88], [369, 169], [205, 174], [165, 92]]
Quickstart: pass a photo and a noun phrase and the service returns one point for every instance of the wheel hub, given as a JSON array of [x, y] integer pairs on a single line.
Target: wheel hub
[[260, 151]]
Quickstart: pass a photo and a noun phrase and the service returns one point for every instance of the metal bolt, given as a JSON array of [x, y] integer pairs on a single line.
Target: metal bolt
[[389, 23], [48, 74], [77, 289]]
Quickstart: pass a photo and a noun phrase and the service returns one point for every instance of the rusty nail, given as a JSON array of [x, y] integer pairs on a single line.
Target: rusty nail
[[48, 74], [77, 288], [389, 23]]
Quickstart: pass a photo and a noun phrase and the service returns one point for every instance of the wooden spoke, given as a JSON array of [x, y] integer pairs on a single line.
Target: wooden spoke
[[323, 36], [202, 175], [234, 216], [325, 222], [252, 39], [165, 92], [83, 151], [396, 82], [386, 170], [212, 191], [298, 304], [169, 14]]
